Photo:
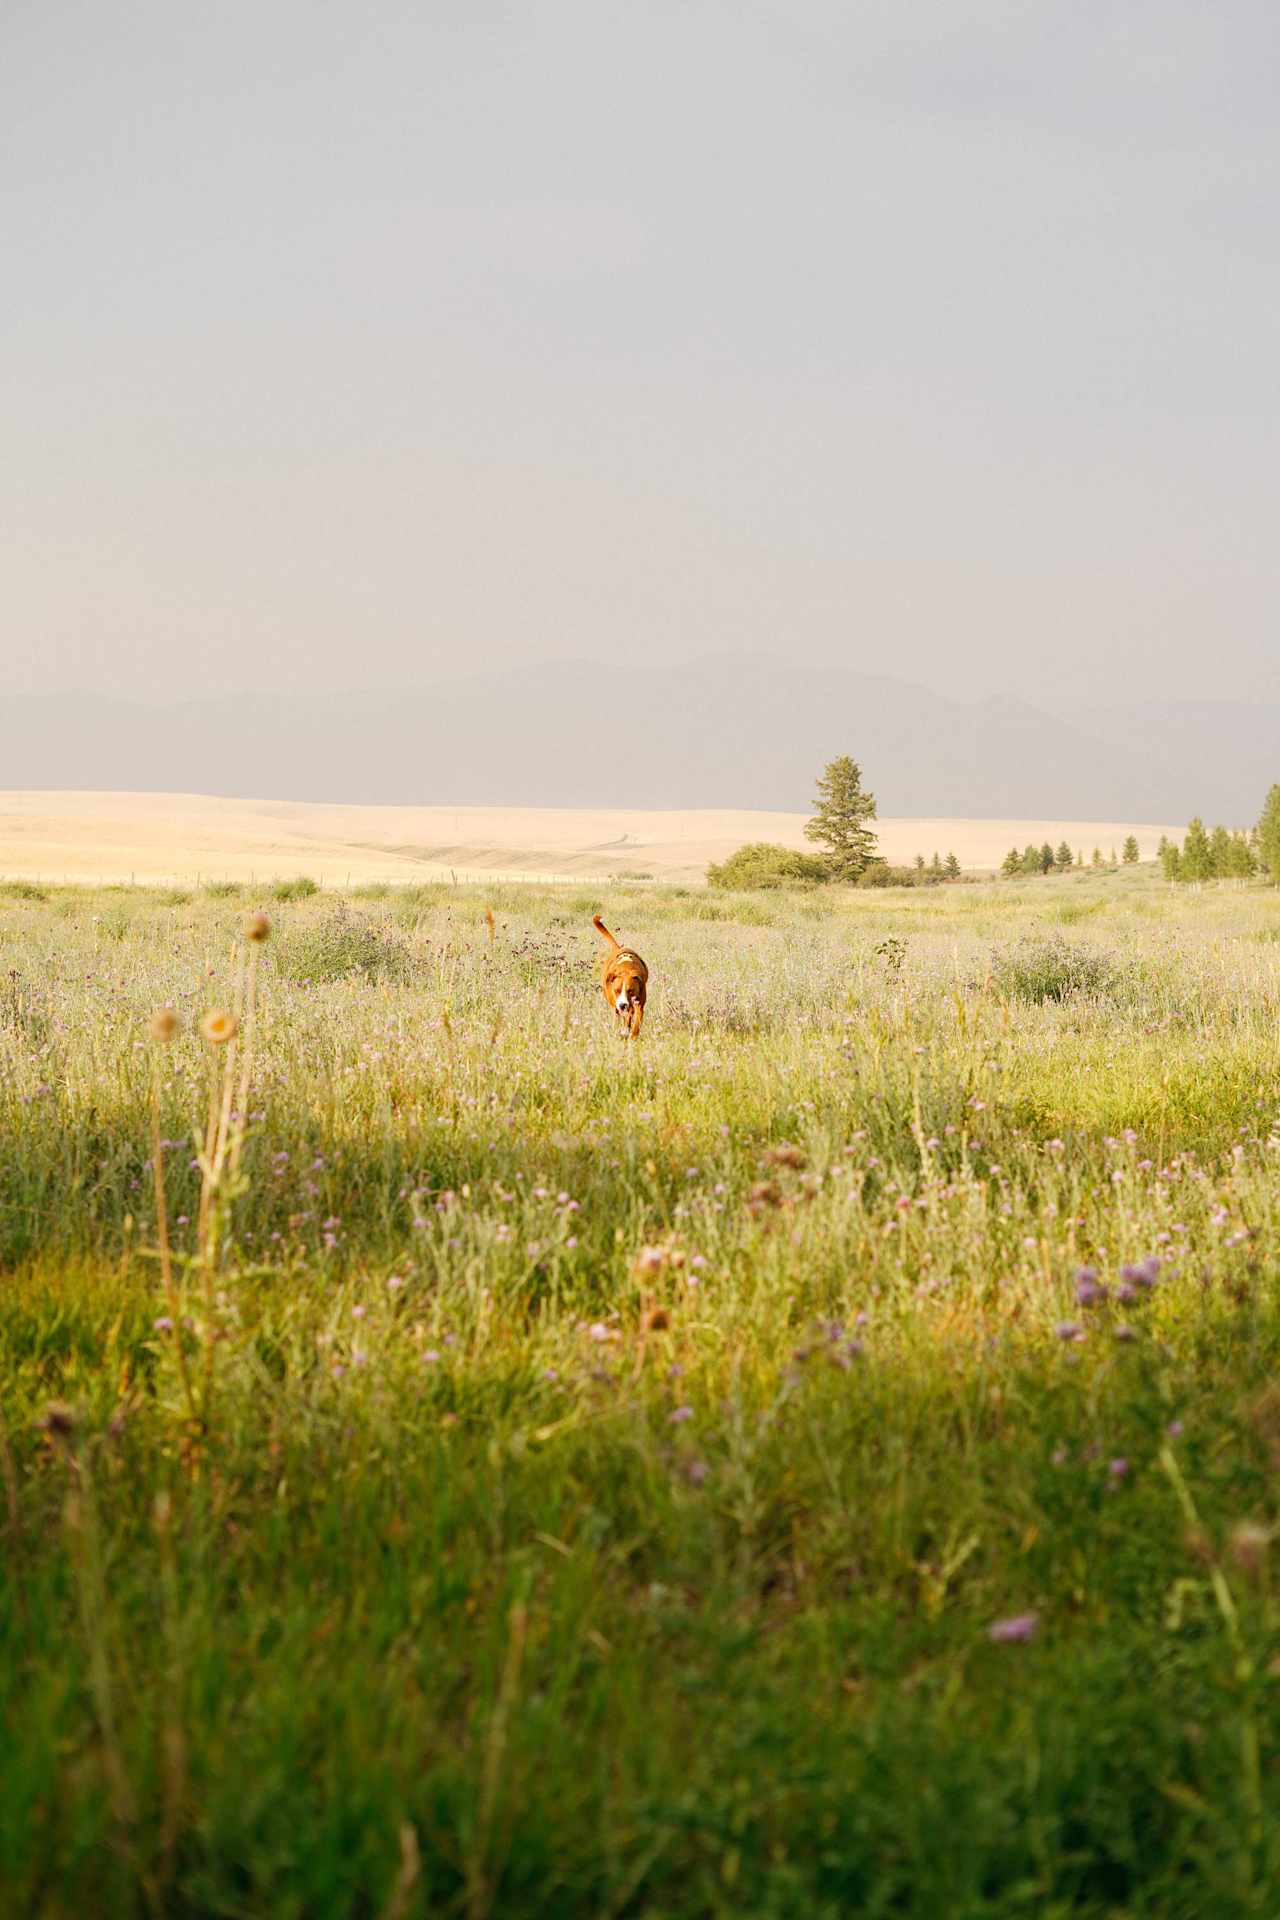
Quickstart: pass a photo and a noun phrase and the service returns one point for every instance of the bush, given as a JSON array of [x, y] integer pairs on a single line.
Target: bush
[[300, 889], [881, 874], [223, 889], [1053, 969], [761, 864], [22, 890], [343, 943]]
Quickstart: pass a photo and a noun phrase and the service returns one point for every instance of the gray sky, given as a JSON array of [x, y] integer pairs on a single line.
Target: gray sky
[[361, 344]]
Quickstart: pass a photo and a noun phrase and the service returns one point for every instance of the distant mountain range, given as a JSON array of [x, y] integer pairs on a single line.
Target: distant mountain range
[[726, 731]]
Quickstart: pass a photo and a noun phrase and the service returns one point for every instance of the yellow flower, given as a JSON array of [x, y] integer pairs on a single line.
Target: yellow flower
[[164, 1023], [219, 1026]]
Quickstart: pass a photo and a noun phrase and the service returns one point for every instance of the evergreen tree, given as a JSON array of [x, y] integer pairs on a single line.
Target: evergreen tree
[[1197, 858], [1114, 862], [1269, 835], [920, 866], [952, 867], [1097, 856], [935, 868], [1062, 857], [1011, 864], [1171, 859], [1219, 852], [839, 824], [1240, 863], [1129, 852], [1046, 858], [1079, 856], [1031, 860]]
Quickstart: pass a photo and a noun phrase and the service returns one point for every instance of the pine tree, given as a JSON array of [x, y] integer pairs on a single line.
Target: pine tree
[[1240, 863], [1114, 862], [1269, 835], [1031, 860], [839, 823], [920, 866], [935, 868], [1046, 858], [1219, 852], [1171, 859], [1011, 864], [952, 867], [1062, 857], [1129, 852], [1197, 859], [1097, 856], [1079, 856]]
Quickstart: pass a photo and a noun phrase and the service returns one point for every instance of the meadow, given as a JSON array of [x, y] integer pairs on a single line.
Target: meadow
[[818, 1460]]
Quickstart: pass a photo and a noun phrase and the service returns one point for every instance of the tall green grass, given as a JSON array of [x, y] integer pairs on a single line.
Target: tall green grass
[[620, 1455]]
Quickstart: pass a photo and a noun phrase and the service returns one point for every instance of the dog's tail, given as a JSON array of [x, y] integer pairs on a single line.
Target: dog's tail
[[600, 927]]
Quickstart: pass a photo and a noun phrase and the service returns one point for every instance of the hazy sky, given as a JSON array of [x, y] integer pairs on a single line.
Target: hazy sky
[[354, 344]]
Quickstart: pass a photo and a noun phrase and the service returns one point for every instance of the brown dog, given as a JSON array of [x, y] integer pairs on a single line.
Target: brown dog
[[625, 978]]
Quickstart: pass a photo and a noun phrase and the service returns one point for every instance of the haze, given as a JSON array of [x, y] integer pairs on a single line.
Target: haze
[[370, 347]]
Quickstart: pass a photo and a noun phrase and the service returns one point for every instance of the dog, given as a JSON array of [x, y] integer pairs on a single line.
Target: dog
[[625, 978]]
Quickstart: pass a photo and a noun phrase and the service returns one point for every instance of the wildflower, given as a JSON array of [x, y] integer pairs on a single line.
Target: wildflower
[[1125, 1333], [164, 1023], [395, 1283], [1118, 1468], [1019, 1627], [679, 1415], [257, 927], [431, 1355], [219, 1026], [1069, 1330], [695, 1472], [1089, 1290], [164, 1324], [1174, 1429]]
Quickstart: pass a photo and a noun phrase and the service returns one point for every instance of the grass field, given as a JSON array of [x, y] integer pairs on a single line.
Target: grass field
[[689, 1478]]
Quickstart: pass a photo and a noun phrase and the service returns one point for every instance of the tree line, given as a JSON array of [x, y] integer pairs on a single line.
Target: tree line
[[841, 829], [1220, 854], [1061, 859]]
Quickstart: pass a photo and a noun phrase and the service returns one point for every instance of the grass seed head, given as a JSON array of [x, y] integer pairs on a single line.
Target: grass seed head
[[164, 1024], [219, 1026]]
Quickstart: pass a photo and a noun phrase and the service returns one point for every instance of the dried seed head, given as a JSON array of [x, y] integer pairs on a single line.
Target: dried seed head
[[59, 1420], [1248, 1546], [257, 927], [219, 1026], [164, 1023], [657, 1320], [785, 1156]]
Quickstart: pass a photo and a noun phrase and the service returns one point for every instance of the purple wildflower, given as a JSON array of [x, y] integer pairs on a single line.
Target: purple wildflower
[[1019, 1627]]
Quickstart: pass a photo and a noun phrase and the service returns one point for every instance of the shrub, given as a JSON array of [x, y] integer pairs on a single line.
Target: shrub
[[342, 943], [881, 874], [761, 864], [1053, 969], [22, 890], [223, 889], [300, 889]]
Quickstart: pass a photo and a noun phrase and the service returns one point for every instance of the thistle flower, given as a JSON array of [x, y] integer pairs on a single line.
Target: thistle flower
[[257, 927], [164, 1023], [219, 1026], [1020, 1627]]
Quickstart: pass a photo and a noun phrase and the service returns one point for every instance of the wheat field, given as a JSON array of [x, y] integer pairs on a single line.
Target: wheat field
[[818, 1460], [182, 839]]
